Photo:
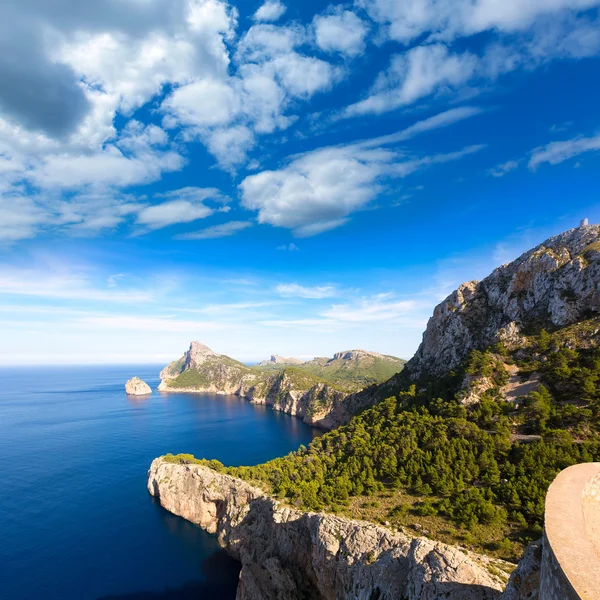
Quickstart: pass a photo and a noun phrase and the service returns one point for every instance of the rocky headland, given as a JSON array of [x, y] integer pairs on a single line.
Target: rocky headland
[[509, 373], [287, 554], [315, 391], [136, 387]]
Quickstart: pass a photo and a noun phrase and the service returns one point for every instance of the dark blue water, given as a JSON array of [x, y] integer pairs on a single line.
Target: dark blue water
[[76, 521]]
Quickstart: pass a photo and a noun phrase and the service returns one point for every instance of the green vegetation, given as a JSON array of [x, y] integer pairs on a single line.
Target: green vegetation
[[346, 374], [215, 371], [459, 473]]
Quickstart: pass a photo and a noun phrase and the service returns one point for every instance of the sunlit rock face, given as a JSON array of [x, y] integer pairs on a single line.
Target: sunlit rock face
[[288, 554], [552, 285], [136, 387]]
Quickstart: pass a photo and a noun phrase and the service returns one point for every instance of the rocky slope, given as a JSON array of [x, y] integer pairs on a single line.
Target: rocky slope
[[136, 387], [287, 554], [314, 391], [553, 285]]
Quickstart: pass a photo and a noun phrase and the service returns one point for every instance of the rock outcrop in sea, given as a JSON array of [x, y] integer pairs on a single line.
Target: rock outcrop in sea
[[136, 387], [288, 554]]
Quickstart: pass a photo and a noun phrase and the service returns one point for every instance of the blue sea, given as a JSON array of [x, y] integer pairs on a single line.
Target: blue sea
[[76, 520]]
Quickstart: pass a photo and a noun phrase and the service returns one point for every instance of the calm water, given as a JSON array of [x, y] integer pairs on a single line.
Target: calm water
[[76, 521]]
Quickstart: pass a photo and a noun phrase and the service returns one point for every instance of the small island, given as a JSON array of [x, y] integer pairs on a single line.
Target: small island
[[136, 387]]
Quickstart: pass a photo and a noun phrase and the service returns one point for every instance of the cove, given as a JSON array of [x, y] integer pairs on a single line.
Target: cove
[[76, 521]]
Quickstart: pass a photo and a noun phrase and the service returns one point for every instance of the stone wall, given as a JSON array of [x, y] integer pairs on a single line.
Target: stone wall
[[570, 568]]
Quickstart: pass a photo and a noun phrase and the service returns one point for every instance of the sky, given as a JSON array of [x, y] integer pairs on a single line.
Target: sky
[[292, 177]]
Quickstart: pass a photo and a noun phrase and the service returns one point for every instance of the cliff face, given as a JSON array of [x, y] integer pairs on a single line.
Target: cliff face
[[287, 554], [201, 370], [551, 286]]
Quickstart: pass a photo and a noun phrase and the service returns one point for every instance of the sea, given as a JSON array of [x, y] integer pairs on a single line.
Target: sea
[[76, 520]]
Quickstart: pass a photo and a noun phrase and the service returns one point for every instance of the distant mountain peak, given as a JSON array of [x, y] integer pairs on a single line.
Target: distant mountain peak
[[280, 360], [356, 354], [198, 354]]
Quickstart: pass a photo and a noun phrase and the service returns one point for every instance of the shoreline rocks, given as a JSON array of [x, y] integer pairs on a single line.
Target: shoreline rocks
[[136, 387]]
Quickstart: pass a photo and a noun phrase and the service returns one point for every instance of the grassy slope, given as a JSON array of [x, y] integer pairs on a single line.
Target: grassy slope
[[344, 374]]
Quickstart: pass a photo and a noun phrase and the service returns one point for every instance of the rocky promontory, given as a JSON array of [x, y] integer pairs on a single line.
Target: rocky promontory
[[136, 387], [288, 554], [314, 391]]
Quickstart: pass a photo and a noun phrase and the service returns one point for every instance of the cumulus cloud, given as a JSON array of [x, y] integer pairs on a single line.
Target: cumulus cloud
[[317, 191], [272, 10], [227, 113], [216, 231], [294, 290], [557, 152], [289, 247], [124, 51], [341, 31]]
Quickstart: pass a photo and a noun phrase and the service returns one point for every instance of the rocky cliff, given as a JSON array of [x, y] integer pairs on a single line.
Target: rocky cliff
[[287, 554], [315, 391], [289, 390], [553, 285]]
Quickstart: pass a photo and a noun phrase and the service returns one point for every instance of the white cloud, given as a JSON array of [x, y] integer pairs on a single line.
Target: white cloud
[[272, 10], [419, 72], [504, 168], [150, 323], [20, 218], [378, 308], [317, 191], [294, 290], [289, 247], [557, 152], [342, 31], [405, 21], [63, 284], [207, 102], [217, 231], [141, 154], [227, 112], [170, 213]]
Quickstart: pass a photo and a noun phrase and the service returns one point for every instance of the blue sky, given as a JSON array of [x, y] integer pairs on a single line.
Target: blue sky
[[288, 177]]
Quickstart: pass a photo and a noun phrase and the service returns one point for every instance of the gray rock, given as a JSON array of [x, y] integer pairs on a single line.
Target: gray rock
[[553, 285], [287, 554]]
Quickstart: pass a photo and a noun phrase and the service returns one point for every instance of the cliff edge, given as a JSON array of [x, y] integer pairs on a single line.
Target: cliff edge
[[287, 554]]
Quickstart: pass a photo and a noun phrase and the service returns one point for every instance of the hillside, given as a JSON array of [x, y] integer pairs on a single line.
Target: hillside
[[350, 370], [315, 391], [503, 393]]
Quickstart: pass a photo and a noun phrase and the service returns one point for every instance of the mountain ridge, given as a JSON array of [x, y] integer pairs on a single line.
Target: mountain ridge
[[314, 391]]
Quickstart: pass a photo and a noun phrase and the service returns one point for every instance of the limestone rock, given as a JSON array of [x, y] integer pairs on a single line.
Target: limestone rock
[[287, 554], [524, 582], [552, 285], [136, 387]]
